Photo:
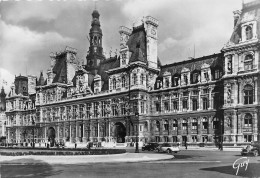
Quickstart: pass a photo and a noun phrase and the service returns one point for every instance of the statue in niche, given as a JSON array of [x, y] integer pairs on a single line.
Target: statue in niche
[[229, 64], [229, 95]]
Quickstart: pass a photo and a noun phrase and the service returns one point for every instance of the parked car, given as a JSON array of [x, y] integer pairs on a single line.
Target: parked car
[[253, 149], [150, 146], [168, 147]]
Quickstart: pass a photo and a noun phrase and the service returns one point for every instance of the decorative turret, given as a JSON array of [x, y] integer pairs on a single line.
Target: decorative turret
[[2, 100], [151, 25], [95, 53]]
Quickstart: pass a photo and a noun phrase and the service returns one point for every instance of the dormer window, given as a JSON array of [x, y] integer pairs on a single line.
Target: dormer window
[[185, 79], [249, 33], [123, 58], [114, 84], [248, 63], [167, 82], [176, 81], [123, 82]]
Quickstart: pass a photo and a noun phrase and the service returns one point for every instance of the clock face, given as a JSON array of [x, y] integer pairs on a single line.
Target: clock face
[[72, 57], [153, 32]]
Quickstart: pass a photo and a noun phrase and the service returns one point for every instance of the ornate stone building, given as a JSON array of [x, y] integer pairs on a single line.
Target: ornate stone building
[[131, 96], [241, 79]]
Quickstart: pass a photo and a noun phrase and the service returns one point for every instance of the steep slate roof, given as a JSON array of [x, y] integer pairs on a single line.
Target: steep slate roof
[[60, 69], [40, 82], [106, 65], [194, 64], [249, 9], [137, 44]]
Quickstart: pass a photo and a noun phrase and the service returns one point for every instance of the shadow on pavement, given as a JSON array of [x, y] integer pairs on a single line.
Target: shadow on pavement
[[26, 168], [252, 170], [178, 156]]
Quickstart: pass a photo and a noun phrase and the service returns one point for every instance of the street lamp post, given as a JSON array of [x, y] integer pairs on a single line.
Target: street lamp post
[[137, 133], [221, 135], [33, 131]]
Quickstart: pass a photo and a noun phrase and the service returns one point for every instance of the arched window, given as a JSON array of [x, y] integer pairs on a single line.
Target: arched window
[[194, 124], [204, 123], [175, 125], [184, 124], [95, 40], [248, 120], [135, 79], [123, 82], [248, 94], [248, 63], [142, 79], [157, 126], [114, 83], [215, 123], [166, 125], [249, 33]]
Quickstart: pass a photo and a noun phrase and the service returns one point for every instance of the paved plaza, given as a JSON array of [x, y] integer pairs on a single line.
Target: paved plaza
[[203, 162]]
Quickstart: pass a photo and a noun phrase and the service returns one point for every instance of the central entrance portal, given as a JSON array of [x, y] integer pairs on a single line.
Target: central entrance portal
[[51, 136], [120, 132]]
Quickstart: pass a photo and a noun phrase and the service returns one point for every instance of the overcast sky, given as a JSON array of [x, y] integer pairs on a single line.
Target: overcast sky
[[31, 30]]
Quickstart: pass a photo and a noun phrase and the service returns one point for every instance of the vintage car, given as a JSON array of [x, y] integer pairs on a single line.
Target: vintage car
[[150, 146], [252, 149], [168, 147]]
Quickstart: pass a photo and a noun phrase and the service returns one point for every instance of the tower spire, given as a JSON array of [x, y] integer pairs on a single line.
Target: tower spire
[[95, 55]]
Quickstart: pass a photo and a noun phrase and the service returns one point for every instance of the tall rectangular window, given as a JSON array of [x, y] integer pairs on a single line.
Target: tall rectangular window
[[185, 104], [114, 110], [123, 109], [95, 109], [88, 110], [74, 112], [175, 105], [142, 107], [205, 103], [81, 111], [194, 104], [158, 107], [166, 107], [103, 108]]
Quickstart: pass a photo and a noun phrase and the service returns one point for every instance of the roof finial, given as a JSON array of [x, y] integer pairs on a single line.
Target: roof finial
[[95, 4]]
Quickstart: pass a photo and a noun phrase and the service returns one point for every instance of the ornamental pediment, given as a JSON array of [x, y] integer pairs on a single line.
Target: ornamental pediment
[[205, 66], [166, 73], [185, 70]]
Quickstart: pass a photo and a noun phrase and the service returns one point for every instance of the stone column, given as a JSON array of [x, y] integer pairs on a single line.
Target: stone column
[[189, 102], [109, 132], [255, 128], [58, 133], [239, 125], [77, 131], [70, 133], [64, 131], [199, 100], [98, 131], [45, 134], [84, 134], [210, 98]]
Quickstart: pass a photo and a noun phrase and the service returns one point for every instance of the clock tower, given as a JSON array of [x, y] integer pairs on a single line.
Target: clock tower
[[95, 54]]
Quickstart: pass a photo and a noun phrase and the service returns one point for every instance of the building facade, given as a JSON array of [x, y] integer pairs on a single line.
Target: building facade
[[131, 97]]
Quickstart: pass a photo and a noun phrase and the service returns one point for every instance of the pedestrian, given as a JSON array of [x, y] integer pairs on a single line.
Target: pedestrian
[[75, 145], [185, 144]]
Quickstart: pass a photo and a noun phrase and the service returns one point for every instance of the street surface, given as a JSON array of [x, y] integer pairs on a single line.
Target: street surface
[[187, 163]]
